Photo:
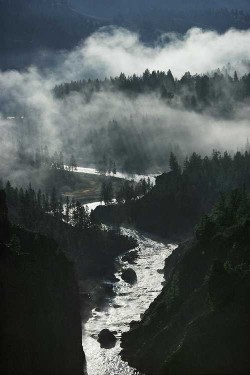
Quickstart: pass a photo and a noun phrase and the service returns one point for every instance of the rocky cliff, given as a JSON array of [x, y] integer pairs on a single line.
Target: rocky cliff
[[40, 327], [200, 322]]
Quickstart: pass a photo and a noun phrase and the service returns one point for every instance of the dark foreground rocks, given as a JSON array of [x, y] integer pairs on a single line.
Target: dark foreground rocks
[[200, 323], [106, 339], [40, 325], [130, 257]]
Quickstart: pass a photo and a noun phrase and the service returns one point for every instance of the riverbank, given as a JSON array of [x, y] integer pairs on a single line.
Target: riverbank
[[127, 304], [88, 189], [40, 324], [199, 323]]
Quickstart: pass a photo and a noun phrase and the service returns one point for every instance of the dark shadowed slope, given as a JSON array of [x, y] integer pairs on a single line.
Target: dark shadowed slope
[[151, 17], [40, 326], [200, 323], [29, 27]]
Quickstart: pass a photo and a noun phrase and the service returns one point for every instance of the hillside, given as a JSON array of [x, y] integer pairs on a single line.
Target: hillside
[[199, 324], [35, 30], [174, 205], [111, 8], [40, 325], [30, 27], [153, 17]]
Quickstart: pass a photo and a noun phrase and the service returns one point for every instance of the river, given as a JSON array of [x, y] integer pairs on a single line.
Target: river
[[129, 301], [123, 175], [127, 305]]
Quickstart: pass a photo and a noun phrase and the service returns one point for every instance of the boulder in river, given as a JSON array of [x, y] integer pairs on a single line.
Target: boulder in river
[[106, 339], [129, 275], [130, 257]]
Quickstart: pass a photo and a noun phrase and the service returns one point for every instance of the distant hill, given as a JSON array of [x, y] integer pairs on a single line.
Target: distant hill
[[152, 17], [27, 26], [111, 8]]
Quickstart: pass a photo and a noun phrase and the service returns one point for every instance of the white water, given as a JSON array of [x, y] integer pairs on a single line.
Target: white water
[[126, 176], [92, 206], [127, 305]]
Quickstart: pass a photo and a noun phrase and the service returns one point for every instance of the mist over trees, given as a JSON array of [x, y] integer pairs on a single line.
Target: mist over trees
[[142, 110], [128, 191], [219, 90], [130, 142]]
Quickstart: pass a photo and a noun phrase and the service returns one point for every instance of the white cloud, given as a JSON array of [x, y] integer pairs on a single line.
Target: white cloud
[[112, 51], [107, 53]]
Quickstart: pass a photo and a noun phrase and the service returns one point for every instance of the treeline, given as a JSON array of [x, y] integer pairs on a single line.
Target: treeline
[[75, 229], [205, 300], [130, 190], [129, 146], [104, 165], [231, 211], [31, 206], [194, 91], [174, 205], [42, 158]]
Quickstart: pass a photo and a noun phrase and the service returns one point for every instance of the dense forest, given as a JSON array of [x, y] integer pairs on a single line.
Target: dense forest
[[40, 326], [173, 206], [218, 91], [76, 230], [124, 191], [200, 321], [139, 144]]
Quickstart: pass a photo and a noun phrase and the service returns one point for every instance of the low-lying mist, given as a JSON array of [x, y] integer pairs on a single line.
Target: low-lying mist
[[33, 117]]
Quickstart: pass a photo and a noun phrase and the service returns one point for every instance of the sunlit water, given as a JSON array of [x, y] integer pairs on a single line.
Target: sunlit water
[[126, 176], [128, 304]]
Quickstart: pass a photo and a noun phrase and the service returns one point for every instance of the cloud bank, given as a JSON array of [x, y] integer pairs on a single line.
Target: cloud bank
[[61, 124], [111, 51]]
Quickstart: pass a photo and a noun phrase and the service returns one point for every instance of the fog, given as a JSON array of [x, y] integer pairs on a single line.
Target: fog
[[64, 124], [111, 51]]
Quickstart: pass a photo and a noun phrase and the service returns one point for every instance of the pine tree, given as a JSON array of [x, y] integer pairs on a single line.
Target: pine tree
[[236, 79], [173, 164], [39, 199], [67, 210], [73, 163], [61, 162], [60, 209], [53, 202], [107, 192]]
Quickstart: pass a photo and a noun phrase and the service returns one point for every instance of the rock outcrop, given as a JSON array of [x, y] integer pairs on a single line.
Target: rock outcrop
[[130, 257], [200, 323], [40, 326]]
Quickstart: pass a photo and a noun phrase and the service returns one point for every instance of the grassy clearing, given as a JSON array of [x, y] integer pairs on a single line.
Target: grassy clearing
[[88, 188]]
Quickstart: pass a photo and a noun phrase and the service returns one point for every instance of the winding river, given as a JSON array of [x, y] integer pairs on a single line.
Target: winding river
[[123, 175], [127, 305], [129, 301]]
